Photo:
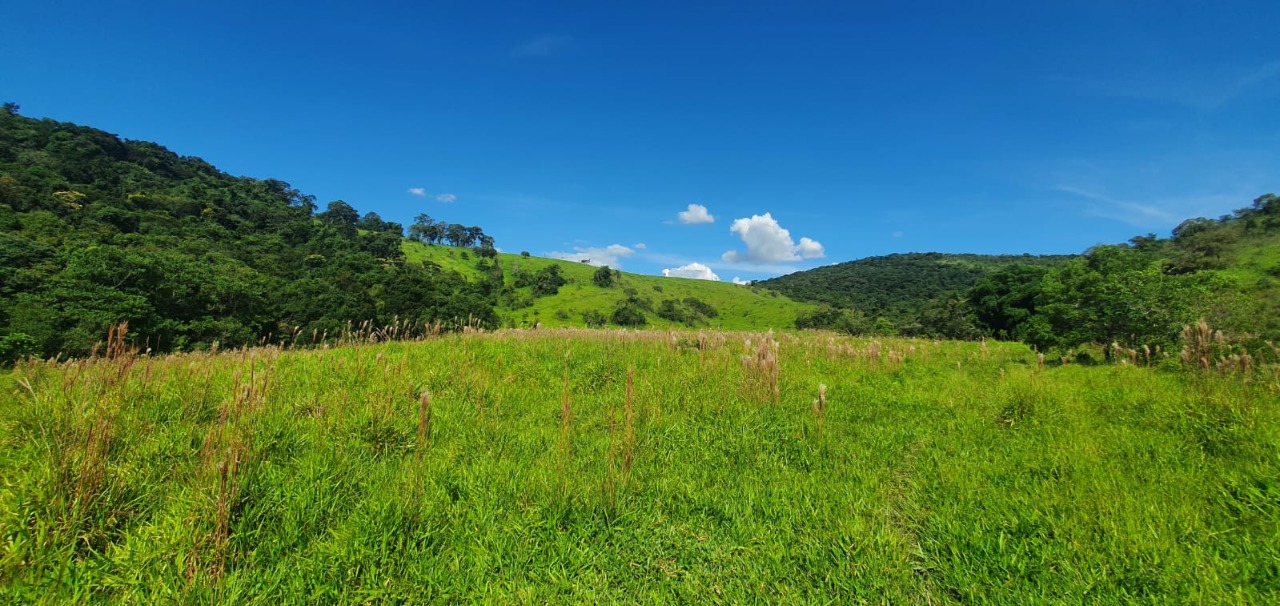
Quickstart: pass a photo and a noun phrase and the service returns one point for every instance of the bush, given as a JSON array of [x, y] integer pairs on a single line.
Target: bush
[[603, 277], [594, 319], [703, 308], [831, 318], [17, 346], [670, 310], [628, 314]]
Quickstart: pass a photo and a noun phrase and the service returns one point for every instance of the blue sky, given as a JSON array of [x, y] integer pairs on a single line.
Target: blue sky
[[805, 133]]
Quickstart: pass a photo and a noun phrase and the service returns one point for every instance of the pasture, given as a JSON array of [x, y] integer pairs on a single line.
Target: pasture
[[575, 466]]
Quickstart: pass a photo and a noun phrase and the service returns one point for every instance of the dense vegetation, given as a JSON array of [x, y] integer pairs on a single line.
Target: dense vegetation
[[893, 291], [1142, 293], [564, 467], [1138, 294], [95, 230]]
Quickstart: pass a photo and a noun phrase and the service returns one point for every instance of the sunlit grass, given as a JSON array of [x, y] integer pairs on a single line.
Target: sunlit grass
[[937, 472]]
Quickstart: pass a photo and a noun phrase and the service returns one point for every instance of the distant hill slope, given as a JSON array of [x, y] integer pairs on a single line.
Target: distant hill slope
[[96, 230], [897, 286], [734, 307]]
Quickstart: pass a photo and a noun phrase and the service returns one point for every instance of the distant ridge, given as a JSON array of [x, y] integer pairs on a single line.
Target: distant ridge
[[898, 286]]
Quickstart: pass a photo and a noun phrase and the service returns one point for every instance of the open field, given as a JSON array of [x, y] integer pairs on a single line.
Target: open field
[[562, 466]]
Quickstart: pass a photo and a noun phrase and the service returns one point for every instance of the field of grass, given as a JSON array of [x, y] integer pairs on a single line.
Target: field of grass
[[738, 307], [567, 466]]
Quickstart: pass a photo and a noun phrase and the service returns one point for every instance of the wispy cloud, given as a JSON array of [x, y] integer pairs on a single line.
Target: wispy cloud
[[421, 192], [542, 46], [446, 198], [1137, 214], [610, 255]]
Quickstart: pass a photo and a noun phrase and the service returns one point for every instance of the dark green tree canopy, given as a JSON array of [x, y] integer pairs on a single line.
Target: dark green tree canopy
[[96, 230]]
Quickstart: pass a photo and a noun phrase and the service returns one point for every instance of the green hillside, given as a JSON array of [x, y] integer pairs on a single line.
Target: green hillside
[[897, 287], [736, 307], [96, 230]]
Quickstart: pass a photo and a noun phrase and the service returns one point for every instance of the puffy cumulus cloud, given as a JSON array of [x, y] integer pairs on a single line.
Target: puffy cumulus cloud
[[610, 255], [768, 242], [446, 198], [740, 281], [695, 270], [810, 249], [421, 192], [696, 213]]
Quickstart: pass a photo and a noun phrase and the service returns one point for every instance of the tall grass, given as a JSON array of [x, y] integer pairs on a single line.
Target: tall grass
[[640, 468]]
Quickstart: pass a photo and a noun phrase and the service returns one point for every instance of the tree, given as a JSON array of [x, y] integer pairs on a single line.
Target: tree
[[1106, 297], [425, 229], [11, 108], [1006, 298], [371, 221], [455, 234], [548, 281], [603, 277], [340, 216]]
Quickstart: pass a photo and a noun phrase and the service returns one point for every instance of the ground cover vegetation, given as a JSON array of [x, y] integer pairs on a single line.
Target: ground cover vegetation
[[573, 466]]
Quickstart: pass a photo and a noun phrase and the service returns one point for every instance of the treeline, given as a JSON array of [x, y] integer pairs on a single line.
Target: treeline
[[96, 230], [1136, 294], [430, 231], [894, 290]]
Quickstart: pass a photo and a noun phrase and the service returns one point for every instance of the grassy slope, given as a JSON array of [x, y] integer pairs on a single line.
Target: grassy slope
[[943, 473], [740, 308], [1253, 268]]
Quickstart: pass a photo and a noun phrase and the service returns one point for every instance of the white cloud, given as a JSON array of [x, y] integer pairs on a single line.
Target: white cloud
[[896, 234], [697, 213], [418, 191], [740, 281], [810, 249], [610, 255], [768, 242], [639, 246], [446, 198], [694, 270]]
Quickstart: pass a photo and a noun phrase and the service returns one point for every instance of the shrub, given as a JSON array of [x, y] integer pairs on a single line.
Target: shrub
[[17, 346], [603, 277], [628, 314]]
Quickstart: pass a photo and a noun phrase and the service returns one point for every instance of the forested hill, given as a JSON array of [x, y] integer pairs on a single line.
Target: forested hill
[[95, 230], [897, 287], [1140, 294]]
